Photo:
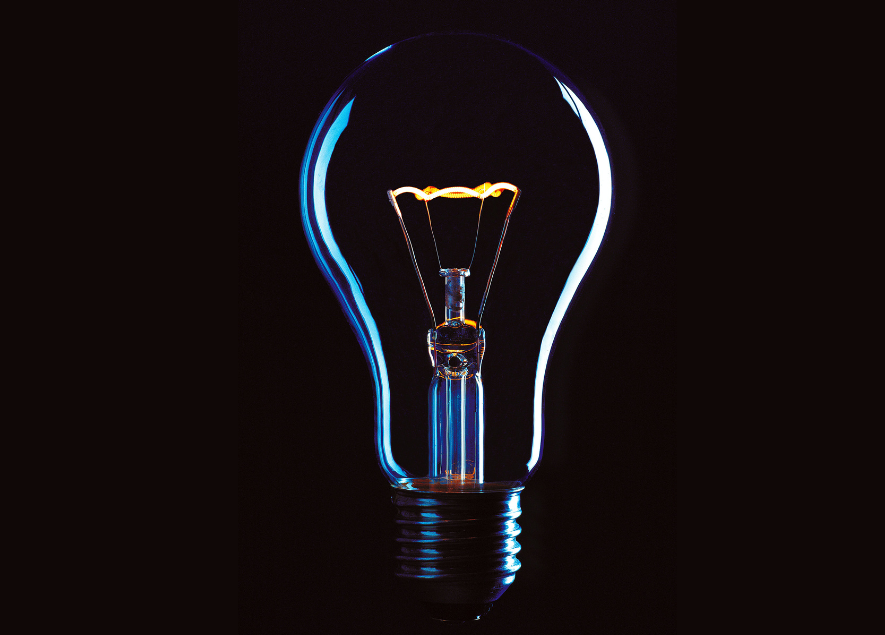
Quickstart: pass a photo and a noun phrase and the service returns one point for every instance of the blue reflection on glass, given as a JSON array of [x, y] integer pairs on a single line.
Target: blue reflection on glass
[[379, 52], [594, 240], [351, 295]]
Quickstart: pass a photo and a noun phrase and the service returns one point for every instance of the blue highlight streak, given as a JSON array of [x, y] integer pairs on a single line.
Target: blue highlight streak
[[594, 240], [349, 293], [378, 53]]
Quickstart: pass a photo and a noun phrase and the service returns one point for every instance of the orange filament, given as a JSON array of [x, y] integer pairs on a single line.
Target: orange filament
[[480, 191]]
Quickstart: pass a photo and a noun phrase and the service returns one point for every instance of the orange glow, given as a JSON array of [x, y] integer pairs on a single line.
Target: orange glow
[[457, 476], [480, 191], [466, 322]]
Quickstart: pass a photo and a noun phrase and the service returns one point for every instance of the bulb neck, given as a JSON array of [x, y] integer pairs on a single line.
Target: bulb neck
[[457, 551]]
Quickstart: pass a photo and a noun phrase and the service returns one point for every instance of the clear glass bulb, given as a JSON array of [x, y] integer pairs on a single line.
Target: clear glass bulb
[[409, 192]]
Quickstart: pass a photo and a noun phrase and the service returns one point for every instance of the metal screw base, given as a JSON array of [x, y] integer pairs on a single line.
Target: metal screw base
[[456, 551]]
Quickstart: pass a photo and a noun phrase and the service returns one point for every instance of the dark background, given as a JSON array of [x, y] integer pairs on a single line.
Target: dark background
[[599, 517]]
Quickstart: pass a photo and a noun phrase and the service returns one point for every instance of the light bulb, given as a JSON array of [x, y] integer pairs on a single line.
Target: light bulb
[[409, 192]]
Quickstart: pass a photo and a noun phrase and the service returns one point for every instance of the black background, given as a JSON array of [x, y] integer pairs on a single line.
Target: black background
[[598, 519]]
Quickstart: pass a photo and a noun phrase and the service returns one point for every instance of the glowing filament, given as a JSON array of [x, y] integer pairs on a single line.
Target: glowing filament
[[480, 191]]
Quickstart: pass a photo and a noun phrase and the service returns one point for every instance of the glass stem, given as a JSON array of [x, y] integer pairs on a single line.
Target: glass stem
[[456, 398], [454, 292], [456, 428]]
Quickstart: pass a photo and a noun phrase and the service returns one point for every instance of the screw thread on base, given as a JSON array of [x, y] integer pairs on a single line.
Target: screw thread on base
[[457, 551]]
